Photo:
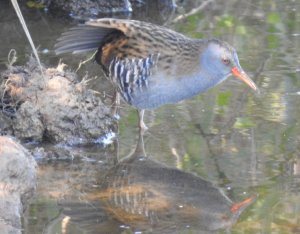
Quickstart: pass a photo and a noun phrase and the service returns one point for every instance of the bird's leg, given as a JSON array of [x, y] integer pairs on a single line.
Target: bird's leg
[[115, 105], [142, 125]]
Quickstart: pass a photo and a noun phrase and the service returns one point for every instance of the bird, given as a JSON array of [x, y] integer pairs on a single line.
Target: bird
[[151, 65]]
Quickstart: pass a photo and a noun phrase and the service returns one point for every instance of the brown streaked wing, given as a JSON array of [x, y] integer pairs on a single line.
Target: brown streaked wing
[[138, 40]]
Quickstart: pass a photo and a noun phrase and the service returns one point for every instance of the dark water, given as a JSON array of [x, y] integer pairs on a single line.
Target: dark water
[[235, 143]]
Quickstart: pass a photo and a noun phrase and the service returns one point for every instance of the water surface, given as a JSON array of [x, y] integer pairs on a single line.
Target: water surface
[[241, 142]]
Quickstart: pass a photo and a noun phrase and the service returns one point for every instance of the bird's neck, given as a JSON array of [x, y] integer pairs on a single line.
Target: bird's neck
[[173, 92], [194, 84]]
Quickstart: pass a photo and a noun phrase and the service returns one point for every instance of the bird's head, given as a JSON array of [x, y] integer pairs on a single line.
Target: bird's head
[[220, 60]]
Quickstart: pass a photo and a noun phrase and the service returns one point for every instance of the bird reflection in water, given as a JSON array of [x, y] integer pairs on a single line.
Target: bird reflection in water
[[141, 194]]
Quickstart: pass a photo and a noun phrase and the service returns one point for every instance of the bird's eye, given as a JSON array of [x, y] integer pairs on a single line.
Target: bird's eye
[[225, 61]]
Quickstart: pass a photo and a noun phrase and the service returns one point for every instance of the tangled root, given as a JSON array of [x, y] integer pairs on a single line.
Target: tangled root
[[11, 90]]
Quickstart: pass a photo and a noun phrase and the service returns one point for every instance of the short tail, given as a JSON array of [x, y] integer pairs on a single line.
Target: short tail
[[81, 38]]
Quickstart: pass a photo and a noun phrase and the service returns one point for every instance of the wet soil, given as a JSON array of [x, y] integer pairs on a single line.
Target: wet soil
[[90, 8], [54, 106]]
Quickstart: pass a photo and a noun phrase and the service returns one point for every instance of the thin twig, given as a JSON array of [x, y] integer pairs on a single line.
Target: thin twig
[[192, 12], [12, 57], [85, 61], [23, 23]]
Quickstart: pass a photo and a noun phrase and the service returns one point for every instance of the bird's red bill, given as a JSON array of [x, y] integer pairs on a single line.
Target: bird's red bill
[[243, 204], [244, 77]]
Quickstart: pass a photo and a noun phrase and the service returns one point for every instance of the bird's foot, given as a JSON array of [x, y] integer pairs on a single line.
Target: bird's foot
[[143, 127], [116, 116], [115, 108], [114, 112]]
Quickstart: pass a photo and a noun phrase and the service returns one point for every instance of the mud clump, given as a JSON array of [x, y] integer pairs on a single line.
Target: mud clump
[[54, 106], [85, 9], [18, 182], [91, 8]]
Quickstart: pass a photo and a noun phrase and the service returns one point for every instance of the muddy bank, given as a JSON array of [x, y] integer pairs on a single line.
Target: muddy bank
[[55, 107], [90, 7], [17, 182], [101, 8]]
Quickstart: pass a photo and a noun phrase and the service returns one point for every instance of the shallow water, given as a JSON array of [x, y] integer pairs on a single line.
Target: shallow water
[[241, 142]]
